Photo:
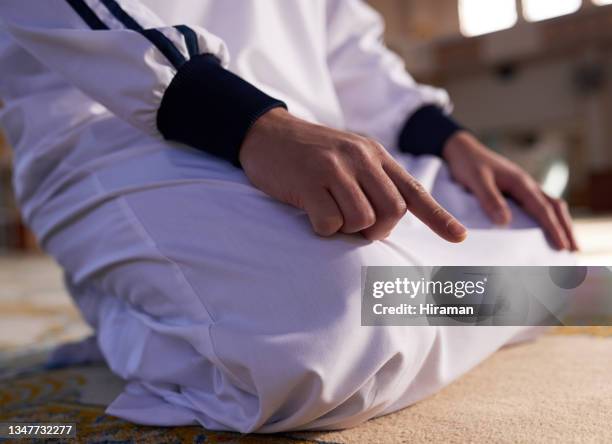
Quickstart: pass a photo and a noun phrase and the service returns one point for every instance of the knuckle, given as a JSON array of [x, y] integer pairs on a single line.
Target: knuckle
[[397, 208], [362, 163], [376, 146], [527, 182], [417, 188], [357, 153], [365, 152], [368, 219], [363, 220], [372, 236], [330, 164], [375, 234], [438, 213], [351, 146], [520, 179], [417, 193], [328, 226]]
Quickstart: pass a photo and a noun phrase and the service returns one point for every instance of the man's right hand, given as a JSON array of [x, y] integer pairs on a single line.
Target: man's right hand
[[345, 183]]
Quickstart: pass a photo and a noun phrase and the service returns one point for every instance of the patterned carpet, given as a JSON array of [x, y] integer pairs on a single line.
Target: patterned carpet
[[60, 396]]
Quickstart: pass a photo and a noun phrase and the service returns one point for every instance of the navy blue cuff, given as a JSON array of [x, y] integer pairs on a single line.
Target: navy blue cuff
[[427, 131], [211, 109]]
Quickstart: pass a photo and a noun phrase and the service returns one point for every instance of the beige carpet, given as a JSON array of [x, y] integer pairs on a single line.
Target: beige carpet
[[555, 390]]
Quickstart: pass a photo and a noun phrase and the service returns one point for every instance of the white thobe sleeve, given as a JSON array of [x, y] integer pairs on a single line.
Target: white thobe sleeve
[[377, 96], [169, 81]]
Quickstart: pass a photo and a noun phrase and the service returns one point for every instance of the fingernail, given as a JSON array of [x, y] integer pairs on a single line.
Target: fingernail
[[456, 229]]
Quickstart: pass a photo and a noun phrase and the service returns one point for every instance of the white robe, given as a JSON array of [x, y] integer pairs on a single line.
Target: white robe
[[219, 305]]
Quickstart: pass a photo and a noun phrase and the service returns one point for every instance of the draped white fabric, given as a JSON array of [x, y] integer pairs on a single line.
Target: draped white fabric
[[221, 307]]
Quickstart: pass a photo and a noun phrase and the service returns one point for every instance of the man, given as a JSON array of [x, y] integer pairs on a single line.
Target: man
[[176, 186]]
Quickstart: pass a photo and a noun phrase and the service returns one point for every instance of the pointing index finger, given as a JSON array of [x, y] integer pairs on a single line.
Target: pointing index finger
[[424, 206]]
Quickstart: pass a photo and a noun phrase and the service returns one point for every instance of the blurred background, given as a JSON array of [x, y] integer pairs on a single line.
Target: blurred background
[[532, 77]]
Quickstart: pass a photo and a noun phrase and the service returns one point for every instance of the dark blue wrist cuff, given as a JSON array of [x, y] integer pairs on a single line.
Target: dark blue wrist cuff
[[427, 131], [211, 109]]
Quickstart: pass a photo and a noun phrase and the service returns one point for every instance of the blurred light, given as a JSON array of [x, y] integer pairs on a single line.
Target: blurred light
[[536, 10], [602, 2], [479, 17], [556, 179]]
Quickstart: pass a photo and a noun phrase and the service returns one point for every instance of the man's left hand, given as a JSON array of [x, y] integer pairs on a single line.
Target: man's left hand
[[490, 176]]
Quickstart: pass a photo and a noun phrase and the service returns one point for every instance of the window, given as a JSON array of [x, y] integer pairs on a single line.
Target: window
[[536, 10], [479, 17], [602, 2]]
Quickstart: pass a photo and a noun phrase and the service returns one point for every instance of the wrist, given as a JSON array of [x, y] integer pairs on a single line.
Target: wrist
[[427, 131], [456, 144], [261, 131]]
